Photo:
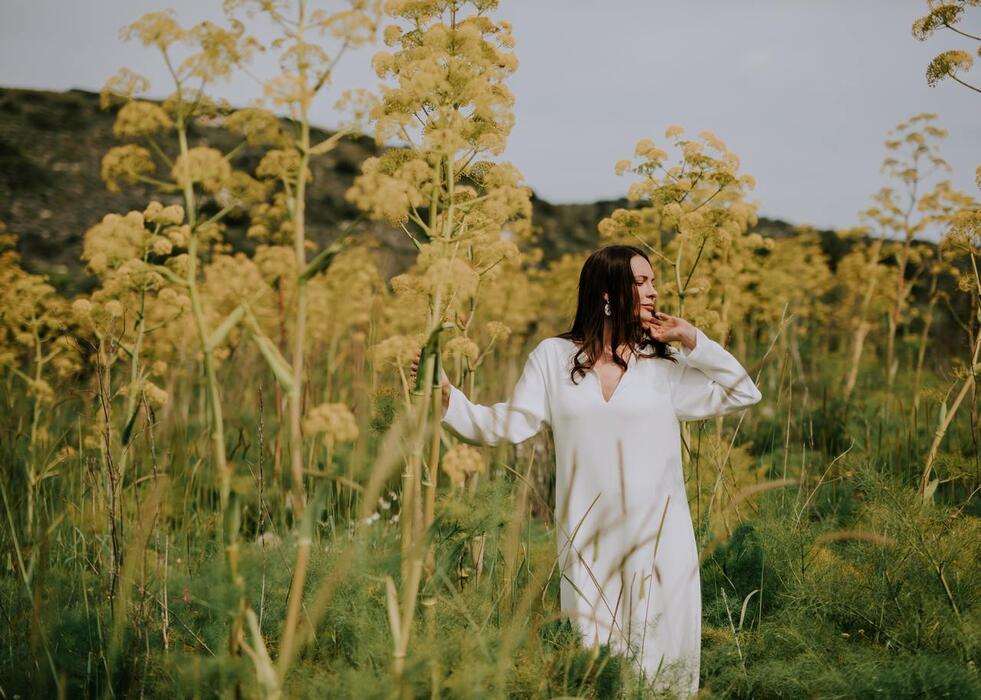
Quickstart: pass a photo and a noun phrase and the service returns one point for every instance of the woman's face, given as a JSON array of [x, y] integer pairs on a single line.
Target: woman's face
[[644, 284]]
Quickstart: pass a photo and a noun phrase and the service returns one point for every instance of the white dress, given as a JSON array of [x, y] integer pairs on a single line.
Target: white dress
[[619, 484]]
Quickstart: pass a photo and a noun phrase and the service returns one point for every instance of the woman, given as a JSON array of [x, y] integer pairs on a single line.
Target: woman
[[614, 394]]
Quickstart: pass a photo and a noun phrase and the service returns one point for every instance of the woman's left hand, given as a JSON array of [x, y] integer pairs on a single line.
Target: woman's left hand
[[666, 329]]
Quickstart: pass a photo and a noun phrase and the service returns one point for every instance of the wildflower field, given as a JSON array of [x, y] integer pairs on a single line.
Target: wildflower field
[[219, 478]]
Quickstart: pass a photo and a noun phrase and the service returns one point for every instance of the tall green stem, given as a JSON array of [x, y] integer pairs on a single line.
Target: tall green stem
[[299, 247], [217, 429], [133, 395], [35, 419]]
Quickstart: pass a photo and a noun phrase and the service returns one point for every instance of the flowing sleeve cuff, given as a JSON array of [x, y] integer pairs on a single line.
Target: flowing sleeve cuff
[[702, 348], [710, 382]]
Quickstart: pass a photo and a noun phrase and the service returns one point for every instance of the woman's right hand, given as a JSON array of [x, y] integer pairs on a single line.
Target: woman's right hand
[[443, 379]]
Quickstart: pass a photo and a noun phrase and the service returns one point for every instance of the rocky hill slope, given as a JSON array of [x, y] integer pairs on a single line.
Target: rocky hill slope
[[51, 145]]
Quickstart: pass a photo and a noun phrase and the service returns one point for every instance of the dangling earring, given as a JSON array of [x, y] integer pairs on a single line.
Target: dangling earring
[[606, 308]]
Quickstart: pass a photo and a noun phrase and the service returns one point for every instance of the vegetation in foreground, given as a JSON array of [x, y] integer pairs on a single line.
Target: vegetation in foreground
[[218, 480]]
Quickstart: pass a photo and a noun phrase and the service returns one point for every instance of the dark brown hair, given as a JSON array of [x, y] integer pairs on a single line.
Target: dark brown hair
[[608, 270]]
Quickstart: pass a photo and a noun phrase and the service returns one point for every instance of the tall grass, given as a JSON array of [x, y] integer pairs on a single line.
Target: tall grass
[[153, 544], [840, 583]]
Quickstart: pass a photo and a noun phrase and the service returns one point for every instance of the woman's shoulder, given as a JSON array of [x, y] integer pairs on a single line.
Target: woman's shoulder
[[560, 349], [565, 345], [552, 348], [555, 342]]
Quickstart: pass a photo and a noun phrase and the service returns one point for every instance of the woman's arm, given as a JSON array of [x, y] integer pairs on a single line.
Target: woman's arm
[[514, 420], [709, 381]]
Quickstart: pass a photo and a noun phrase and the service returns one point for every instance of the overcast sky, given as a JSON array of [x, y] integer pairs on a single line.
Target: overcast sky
[[803, 91]]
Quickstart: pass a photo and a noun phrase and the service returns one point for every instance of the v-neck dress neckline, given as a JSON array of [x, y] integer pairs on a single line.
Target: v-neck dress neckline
[[631, 361]]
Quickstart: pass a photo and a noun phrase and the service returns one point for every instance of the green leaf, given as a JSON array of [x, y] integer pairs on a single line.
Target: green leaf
[[232, 518], [323, 259], [420, 369], [169, 274], [222, 331], [128, 430], [277, 363], [329, 143], [431, 346], [311, 515]]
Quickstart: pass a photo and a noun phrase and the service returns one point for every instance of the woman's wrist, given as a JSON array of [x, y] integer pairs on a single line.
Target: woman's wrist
[[689, 337]]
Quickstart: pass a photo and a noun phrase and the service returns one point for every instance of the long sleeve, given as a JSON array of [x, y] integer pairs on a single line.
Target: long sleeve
[[512, 421], [709, 381]]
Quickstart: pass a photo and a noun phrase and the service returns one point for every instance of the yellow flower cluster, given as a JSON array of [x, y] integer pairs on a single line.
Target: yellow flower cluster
[[699, 206], [219, 50], [355, 26], [449, 103], [270, 221], [138, 118], [203, 165], [41, 391], [157, 213], [334, 420], [398, 350], [508, 202], [114, 240], [700, 196], [457, 277], [215, 50], [259, 127], [346, 298], [463, 60], [122, 86], [276, 263], [34, 318], [462, 460], [241, 192], [203, 109], [946, 64], [158, 29], [155, 396], [496, 329], [794, 272], [391, 185], [228, 279], [281, 164], [463, 347], [126, 163]]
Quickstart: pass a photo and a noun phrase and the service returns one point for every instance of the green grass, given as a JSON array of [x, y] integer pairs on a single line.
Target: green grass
[[844, 586]]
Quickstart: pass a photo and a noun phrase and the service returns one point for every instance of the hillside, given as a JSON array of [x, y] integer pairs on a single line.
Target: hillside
[[51, 145]]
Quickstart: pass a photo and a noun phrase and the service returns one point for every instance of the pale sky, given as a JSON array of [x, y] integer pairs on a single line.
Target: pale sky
[[804, 91]]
